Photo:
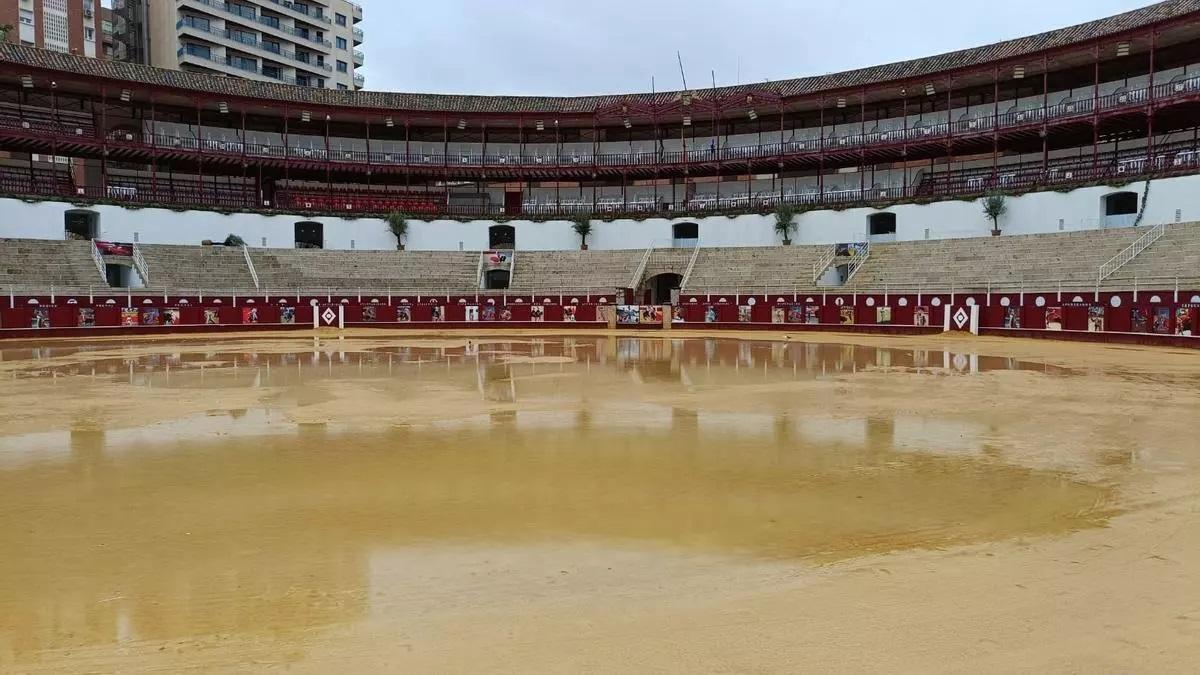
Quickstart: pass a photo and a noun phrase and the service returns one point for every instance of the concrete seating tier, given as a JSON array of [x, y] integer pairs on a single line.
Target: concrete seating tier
[[211, 268], [40, 264], [1175, 256], [428, 272], [1035, 260], [602, 271], [753, 268]]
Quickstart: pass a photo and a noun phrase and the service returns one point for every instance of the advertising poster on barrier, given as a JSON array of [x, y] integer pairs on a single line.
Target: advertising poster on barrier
[[744, 313], [537, 313], [1184, 320], [438, 314], [846, 316], [1095, 322], [677, 314], [603, 313], [1139, 322], [211, 316], [172, 317], [488, 313], [40, 318], [921, 316], [288, 314], [150, 316], [370, 313], [87, 317], [795, 314], [472, 313], [778, 314], [1054, 318], [627, 314], [1012, 317], [505, 314], [1162, 320], [812, 314], [710, 315], [652, 315], [883, 315], [569, 313], [130, 316], [249, 315]]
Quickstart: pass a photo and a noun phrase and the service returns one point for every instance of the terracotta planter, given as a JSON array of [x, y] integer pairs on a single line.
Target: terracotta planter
[[995, 233], [583, 247]]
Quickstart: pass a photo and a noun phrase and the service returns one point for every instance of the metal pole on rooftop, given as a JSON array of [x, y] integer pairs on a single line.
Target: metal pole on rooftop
[[1150, 106], [1095, 108]]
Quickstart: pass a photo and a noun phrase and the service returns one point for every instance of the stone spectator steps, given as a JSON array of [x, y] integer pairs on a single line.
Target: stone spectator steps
[[749, 269], [595, 271], [426, 272], [1035, 260], [40, 263], [1176, 255], [208, 268]]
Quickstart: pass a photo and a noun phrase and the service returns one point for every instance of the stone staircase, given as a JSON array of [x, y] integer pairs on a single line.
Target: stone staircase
[[752, 268], [429, 272], [600, 271], [211, 268], [1174, 256], [38, 264], [1035, 261]]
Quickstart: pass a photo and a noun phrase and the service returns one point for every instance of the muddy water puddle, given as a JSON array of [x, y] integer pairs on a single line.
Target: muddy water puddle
[[265, 510]]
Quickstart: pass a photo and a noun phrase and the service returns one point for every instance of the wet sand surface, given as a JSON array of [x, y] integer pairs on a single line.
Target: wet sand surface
[[523, 502]]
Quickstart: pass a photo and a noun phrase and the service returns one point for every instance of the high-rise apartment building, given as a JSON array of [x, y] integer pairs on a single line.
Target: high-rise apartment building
[[71, 26], [305, 42]]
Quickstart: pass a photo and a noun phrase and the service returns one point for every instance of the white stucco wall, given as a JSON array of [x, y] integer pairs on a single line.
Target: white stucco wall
[[1028, 214]]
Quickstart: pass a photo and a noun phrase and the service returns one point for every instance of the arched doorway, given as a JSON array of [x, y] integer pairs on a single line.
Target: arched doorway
[[658, 289], [495, 280], [310, 234], [685, 235], [1120, 209], [81, 224], [502, 237]]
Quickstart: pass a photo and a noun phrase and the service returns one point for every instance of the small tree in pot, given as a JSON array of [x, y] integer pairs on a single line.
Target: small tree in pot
[[785, 222], [994, 206], [582, 224], [398, 223], [234, 240]]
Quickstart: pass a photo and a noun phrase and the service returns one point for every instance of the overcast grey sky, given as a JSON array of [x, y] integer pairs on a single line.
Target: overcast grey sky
[[567, 47]]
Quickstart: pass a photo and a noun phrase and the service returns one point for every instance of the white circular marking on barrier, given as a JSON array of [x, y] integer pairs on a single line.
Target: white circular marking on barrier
[[970, 302], [248, 302], [462, 301], [1040, 301], [72, 301], [870, 302], [1078, 298], [313, 303], [839, 302], [603, 301], [809, 300], [903, 302], [1115, 301], [574, 301], [1155, 298], [218, 302], [344, 302], [1005, 302], [110, 301], [31, 301], [283, 301], [692, 301], [148, 301], [1195, 299], [185, 301], [936, 302], [752, 301]]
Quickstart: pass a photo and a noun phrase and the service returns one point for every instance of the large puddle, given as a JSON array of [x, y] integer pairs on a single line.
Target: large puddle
[[163, 491]]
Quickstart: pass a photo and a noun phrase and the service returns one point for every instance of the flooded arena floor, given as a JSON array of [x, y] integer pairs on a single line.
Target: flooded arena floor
[[529, 503]]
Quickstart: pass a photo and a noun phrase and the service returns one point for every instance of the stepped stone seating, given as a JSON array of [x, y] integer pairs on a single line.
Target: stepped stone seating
[[1176, 255], [1044, 260], [210, 268], [429, 272], [38, 264], [777, 268], [602, 271]]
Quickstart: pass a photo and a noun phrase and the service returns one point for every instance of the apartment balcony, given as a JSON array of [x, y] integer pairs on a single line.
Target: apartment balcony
[[186, 26], [227, 66], [358, 37], [359, 57], [303, 12], [249, 16], [359, 81], [358, 14]]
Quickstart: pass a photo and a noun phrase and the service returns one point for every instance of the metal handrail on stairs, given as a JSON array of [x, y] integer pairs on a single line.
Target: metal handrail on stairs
[[250, 265], [824, 262], [1132, 251], [687, 273], [636, 280], [139, 264], [98, 258], [857, 262]]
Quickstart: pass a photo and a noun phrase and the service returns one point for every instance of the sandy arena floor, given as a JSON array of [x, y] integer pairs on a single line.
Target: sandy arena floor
[[524, 502]]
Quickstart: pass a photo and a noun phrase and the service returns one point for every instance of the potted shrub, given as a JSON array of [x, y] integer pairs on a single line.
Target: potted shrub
[[234, 240], [785, 222], [994, 206], [398, 223], [582, 224]]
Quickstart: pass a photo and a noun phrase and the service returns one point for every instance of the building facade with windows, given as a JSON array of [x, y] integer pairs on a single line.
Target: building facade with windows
[[311, 43], [69, 26]]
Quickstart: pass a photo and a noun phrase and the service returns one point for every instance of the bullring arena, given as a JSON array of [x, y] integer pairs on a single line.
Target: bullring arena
[[888, 369]]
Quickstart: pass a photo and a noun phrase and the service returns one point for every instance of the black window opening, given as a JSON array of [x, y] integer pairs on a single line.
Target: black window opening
[[81, 224], [1121, 204], [495, 280], [686, 230], [503, 237], [310, 234], [881, 223]]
